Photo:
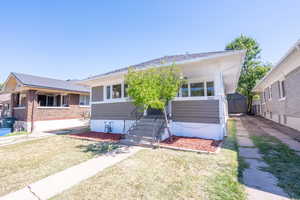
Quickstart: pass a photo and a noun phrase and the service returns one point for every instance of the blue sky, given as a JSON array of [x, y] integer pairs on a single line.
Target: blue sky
[[75, 39]]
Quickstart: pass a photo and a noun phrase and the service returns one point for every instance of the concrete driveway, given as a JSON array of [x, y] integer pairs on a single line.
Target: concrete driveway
[[259, 183]]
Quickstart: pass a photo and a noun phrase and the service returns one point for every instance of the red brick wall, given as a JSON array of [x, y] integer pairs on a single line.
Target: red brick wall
[[74, 111], [35, 113]]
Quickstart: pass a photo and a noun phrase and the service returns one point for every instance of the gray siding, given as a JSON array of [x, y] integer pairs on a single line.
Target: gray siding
[[199, 111], [275, 106], [97, 93], [293, 93], [291, 105], [112, 111]]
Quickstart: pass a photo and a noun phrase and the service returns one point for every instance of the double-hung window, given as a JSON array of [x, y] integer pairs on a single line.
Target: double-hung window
[[108, 92], [210, 91], [270, 92], [125, 90], [281, 88]]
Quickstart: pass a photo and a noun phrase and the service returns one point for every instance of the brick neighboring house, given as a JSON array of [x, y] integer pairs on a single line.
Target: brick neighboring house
[[279, 90], [4, 105], [42, 104]]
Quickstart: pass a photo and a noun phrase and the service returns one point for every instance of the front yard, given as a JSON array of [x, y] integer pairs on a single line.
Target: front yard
[[167, 174], [27, 162]]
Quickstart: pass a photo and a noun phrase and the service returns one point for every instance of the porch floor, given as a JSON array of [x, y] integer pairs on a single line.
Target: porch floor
[[98, 136]]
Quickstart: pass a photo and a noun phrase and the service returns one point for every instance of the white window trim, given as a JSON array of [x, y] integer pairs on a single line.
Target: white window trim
[[84, 106], [19, 108], [281, 90], [189, 82], [53, 107], [270, 93], [282, 99], [112, 100], [179, 98]]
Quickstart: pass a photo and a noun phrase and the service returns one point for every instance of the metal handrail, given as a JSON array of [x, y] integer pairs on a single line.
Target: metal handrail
[[157, 129], [137, 118]]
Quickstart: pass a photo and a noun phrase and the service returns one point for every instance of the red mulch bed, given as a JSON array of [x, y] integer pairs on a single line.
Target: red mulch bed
[[192, 143], [98, 136]]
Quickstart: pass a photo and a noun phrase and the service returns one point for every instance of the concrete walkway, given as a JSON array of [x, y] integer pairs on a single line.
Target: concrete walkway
[[8, 140], [259, 184], [55, 184]]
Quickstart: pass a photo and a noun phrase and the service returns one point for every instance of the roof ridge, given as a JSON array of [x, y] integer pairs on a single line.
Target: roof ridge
[[189, 56], [15, 73]]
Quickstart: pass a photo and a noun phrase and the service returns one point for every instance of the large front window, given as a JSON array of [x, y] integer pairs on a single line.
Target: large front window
[[53, 100], [197, 89], [116, 91]]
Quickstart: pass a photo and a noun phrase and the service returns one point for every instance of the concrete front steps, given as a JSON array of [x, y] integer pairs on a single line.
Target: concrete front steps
[[142, 133]]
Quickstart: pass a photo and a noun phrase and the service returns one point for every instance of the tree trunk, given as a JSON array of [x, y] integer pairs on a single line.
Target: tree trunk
[[167, 123], [250, 100]]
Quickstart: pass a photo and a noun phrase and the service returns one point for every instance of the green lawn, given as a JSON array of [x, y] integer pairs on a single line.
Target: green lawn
[[167, 174], [283, 163], [27, 162], [17, 133]]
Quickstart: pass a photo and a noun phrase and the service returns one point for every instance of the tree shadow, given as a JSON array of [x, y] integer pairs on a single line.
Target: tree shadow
[[101, 148]]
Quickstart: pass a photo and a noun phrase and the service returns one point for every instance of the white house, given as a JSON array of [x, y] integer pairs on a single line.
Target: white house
[[199, 110]]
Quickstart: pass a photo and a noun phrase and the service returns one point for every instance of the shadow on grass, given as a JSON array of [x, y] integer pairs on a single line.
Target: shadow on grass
[[101, 148]]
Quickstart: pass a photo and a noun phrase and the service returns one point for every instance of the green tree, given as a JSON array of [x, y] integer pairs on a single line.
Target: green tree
[[253, 68], [154, 88]]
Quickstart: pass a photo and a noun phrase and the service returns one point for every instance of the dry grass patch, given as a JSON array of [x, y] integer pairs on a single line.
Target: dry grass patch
[[166, 174], [24, 163]]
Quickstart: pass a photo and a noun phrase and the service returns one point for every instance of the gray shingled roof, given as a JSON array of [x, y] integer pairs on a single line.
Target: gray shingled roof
[[49, 83], [165, 60]]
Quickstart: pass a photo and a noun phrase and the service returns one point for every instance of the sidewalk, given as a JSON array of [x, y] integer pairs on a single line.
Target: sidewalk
[[259, 184], [56, 183], [8, 140]]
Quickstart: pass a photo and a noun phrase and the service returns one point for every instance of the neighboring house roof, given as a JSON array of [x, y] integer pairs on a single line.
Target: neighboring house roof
[[48, 83], [167, 60], [4, 98], [295, 47]]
